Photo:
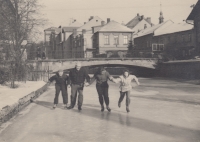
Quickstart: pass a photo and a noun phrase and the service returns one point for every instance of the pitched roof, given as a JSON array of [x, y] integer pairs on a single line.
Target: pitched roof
[[194, 12], [153, 29], [96, 21], [114, 26], [140, 26], [55, 29], [174, 28], [75, 24], [131, 24], [69, 29]]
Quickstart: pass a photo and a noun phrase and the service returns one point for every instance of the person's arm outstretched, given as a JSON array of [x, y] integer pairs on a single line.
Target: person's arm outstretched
[[136, 80]]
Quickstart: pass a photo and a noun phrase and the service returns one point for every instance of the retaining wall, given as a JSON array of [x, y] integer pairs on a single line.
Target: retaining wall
[[189, 69], [8, 112]]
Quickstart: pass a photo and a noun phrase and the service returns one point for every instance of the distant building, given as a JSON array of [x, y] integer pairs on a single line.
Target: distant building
[[52, 39], [111, 39], [57, 41], [195, 16], [82, 39], [138, 23], [177, 40], [67, 31]]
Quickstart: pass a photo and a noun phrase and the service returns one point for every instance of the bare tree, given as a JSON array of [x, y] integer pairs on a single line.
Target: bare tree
[[20, 21]]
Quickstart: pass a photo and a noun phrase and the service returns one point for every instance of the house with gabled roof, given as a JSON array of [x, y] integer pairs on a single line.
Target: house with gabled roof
[[111, 39], [57, 41], [93, 21], [139, 22], [82, 38], [176, 40]]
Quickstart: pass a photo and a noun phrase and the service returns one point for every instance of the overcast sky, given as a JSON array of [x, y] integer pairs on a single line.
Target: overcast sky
[[59, 12]]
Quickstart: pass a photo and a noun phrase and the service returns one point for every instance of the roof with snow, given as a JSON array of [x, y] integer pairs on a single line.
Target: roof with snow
[[131, 24], [153, 30], [75, 24], [69, 29], [53, 29], [140, 26], [174, 28], [114, 26], [96, 21]]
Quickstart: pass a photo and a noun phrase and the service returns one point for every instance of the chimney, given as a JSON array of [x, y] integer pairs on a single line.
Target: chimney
[[138, 14], [74, 20], [102, 23], [83, 31], [91, 17], [84, 23], [93, 30], [149, 20], [74, 32], [142, 17], [108, 20], [145, 26]]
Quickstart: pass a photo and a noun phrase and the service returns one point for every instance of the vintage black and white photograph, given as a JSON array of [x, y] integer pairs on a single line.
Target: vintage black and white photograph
[[99, 70]]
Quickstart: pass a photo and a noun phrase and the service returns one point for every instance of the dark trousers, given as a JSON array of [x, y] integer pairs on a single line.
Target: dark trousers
[[74, 89], [63, 89], [103, 94], [128, 100]]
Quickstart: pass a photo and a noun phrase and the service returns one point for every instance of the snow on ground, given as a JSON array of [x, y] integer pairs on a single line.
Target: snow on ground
[[9, 96]]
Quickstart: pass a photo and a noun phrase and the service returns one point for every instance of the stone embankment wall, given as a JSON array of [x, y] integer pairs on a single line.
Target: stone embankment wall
[[189, 69], [9, 111]]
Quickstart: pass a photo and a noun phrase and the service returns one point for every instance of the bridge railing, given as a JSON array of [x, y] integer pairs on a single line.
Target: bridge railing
[[81, 55]]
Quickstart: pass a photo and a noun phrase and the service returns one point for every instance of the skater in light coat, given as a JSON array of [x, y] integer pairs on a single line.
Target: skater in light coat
[[125, 87]]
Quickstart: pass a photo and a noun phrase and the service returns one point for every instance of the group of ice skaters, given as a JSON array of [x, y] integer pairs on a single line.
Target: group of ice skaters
[[76, 80]]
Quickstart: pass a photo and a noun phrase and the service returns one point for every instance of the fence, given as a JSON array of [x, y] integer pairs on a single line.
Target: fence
[[42, 75], [9, 111]]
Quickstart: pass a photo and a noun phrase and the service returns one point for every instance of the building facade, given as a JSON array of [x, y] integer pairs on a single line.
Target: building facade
[[176, 41], [195, 16], [111, 39]]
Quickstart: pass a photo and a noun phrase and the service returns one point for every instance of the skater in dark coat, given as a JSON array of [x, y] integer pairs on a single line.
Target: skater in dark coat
[[62, 80], [101, 77], [77, 77]]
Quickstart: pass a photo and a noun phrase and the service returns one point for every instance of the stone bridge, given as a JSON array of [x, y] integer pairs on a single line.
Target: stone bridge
[[65, 64]]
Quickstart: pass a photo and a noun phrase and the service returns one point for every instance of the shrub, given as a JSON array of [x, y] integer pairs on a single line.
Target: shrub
[[4, 75]]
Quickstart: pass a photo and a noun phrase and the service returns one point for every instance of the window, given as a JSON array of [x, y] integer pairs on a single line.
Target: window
[[79, 42], [85, 41], [125, 39], [189, 37], [116, 40], [169, 38], [106, 37], [175, 39], [182, 38], [183, 53], [157, 47], [154, 47], [161, 40]]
